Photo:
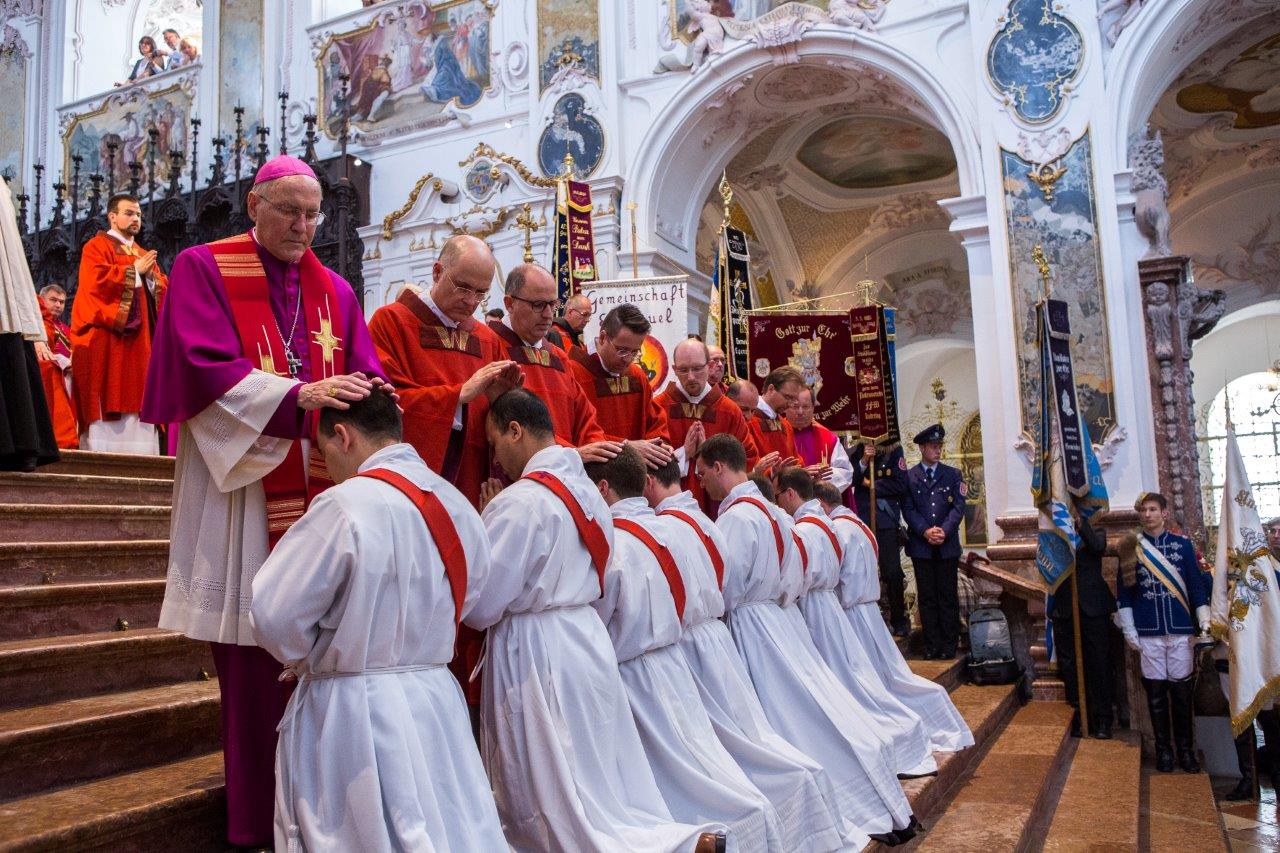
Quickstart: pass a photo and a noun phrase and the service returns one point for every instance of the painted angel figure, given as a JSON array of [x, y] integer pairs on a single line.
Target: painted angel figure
[[710, 29], [856, 14], [1128, 10]]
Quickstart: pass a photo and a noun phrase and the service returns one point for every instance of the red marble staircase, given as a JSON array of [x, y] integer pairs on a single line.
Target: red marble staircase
[[109, 731]]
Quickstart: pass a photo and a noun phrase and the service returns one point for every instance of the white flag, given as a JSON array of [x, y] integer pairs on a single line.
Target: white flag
[[1246, 597]]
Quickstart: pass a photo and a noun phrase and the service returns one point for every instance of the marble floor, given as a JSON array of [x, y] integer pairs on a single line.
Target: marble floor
[[1251, 827]]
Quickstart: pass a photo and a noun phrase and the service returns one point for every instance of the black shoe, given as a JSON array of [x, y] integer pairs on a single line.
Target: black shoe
[[1102, 730], [909, 831], [1164, 760], [1242, 791], [1187, 761]]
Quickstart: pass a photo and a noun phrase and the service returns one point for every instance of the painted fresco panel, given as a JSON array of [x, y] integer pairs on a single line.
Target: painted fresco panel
[[1067, 229], [568, 31], [13, 79], [127, 120], [861, 152], [574, 132], [240, 62], [406, 65]]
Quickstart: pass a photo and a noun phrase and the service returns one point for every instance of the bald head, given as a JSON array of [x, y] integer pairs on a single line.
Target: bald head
[[717, 364], [530, 301], [745, 395], [690, 361], [462, 276], [577, 311]]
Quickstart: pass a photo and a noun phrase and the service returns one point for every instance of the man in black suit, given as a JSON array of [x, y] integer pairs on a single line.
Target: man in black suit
[[1097, 603], [933, 509], [891, 485]]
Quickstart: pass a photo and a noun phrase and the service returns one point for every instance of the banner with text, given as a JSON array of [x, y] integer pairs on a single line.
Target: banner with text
[[873, 374], [664, 301], [574, 260], [819, 345], [731, 299]]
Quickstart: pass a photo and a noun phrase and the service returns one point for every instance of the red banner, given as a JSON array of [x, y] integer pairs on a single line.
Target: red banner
[[876, 408], [819, 345], [582, 250]]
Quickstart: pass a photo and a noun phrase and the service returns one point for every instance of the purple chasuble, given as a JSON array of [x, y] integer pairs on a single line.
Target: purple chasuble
[[196, 354]]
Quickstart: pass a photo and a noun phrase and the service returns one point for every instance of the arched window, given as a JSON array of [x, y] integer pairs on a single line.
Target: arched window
[[1255, 412]]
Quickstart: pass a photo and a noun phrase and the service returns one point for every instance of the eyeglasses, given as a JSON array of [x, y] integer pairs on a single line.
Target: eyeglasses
[[540, 305], [686, 371], [312, 217], [472, 293]]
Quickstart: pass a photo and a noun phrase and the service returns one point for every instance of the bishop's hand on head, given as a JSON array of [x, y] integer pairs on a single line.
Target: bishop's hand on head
[[493, 380], [599, 451], [654, 452], [335, 392], [767, 462]]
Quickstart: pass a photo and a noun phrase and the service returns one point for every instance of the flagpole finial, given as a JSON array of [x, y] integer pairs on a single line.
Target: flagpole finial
[[726, 193], [1226, 398], [1042, 264], [570, 167]]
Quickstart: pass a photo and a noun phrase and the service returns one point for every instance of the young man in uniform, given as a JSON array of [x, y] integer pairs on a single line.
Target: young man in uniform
[[933, 509]]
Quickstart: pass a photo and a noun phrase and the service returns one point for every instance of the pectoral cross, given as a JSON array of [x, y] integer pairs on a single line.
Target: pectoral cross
[[294, 362]]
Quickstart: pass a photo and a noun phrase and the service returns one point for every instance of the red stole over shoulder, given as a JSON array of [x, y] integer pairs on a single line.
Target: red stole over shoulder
[[593, 538], [664, 558], [294, 482]]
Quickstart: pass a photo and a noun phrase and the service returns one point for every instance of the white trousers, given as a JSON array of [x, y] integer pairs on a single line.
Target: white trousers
[[1166, 657]]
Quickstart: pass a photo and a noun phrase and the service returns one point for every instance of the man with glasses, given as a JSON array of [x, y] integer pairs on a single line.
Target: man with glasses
[[445, 364], [531, 304], [566, 331], [769, 425], [697, 410], [257, 338], [618, 387]]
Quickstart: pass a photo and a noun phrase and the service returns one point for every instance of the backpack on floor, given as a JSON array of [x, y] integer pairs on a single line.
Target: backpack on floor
[[991, 658]]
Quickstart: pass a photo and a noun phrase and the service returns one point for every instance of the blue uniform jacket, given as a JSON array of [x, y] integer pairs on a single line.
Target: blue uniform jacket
[[938, 505], [891, 487], [1156, 611]]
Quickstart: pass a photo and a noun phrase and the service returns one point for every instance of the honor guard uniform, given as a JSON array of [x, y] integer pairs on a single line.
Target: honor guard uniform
[[891, 486], [935, 502], [1163, 600]]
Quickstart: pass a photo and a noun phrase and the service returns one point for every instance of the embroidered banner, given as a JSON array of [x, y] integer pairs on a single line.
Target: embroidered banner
[[819, 345], [575, 253], [872, 371], [731, 294], [1057, 335]]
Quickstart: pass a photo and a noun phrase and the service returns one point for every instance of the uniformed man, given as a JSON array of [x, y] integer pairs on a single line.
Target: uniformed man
[[891, 487], [933, 509]]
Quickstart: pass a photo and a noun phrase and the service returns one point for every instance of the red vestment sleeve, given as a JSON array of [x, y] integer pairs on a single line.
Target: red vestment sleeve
[[655, 416], [731, 420], [105, 277]]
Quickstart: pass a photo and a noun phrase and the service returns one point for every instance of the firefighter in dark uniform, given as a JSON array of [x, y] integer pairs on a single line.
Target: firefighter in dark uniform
[[933, 509], [891, 486]]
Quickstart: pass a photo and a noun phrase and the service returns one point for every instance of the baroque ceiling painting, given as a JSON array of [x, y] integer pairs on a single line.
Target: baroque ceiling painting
[[1248, 87], [868, 152]]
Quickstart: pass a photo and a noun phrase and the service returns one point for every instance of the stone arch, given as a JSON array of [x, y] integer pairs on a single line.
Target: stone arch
[[1154, 50], [675, 169]]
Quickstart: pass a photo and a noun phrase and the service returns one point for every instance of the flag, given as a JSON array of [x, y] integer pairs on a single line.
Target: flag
[[1245, 607], [1066, 483]]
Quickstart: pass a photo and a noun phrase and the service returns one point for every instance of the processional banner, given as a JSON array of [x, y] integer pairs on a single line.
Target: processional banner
[[872, 369], [731, 300], [819, 345], [664, 301], [574, 261]]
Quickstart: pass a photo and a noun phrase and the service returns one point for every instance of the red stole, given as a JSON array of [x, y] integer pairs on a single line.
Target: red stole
[[440, 526], [826, 528], [707, 542], [592, 536], [294, 482], [664, 558], [777, 531], [863, 526], [804, 552]]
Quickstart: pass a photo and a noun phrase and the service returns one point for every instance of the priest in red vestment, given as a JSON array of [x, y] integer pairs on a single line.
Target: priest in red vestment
[[717, 365], [120, 291], [445, 364], [566, 330], [820, 450], [769, 426], [697, 410], [257, 338], [619, 389], [55, 367], [530, 301]]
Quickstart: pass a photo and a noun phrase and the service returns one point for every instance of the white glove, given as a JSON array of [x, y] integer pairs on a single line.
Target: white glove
[[1202, 616], [1124, 621]]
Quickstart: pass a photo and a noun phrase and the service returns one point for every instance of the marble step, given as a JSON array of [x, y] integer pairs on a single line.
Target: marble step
[[52, 669], [111, 465], [30, 522], [31, 563], [176, 806], [42, 488], [77, 740], [1099, 804], [948, 673], [1179, 813], [50, 610], [1001, 803]]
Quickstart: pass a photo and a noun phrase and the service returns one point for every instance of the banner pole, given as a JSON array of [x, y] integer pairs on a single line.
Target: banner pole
[[872, 489], [1078, 630]]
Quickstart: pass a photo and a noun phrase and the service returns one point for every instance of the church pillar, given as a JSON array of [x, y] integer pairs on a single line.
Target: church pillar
[[1176, 313]]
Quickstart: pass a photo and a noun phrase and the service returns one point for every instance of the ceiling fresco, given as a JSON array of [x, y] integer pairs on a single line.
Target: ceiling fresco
[[871, 152]]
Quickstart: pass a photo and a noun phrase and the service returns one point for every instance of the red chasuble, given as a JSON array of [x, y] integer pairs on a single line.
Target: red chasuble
[[718, 414], [112, 321], [624, 404], [772, 434], [546, 373], [294, 482], [63, 414], [428, 363]]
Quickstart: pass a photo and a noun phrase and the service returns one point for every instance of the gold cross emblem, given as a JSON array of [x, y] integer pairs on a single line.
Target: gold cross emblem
[[327, 341]]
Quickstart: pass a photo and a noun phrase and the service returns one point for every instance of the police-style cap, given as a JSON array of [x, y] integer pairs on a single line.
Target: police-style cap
[[930, 434]]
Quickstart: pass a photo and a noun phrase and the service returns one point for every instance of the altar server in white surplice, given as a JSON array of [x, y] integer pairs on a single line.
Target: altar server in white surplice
[[795, 784], [833, 635], [645, 599], [561, 748], [361, 599], [859, 593], [801, 696]]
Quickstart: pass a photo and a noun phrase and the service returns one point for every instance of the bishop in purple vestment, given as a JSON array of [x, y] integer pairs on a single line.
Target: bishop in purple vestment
[[239, 422]]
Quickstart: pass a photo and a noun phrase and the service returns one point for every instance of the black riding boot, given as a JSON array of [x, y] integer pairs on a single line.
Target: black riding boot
[[1244, 754], [1181, 702], [1158, 708]]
